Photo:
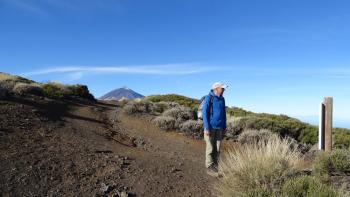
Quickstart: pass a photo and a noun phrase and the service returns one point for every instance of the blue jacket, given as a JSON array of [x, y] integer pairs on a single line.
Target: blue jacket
[[217, 119]]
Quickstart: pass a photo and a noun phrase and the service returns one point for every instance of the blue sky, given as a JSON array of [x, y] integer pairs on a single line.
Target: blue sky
[[278, 56]]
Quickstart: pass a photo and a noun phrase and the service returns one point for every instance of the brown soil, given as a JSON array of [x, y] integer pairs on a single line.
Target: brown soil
[[51, 148]]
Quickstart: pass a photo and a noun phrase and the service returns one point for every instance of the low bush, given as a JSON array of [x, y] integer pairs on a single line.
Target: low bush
[[254, 136], [306, 186], [162, 106], [28, 88], [180, 114], [165, 122], [238, 112], [53, 90], [141, 106], [337, 161], [281, 125], [233, 128], [181, 100], [79, 91], [58, 91], [192, 127], [342, 138]]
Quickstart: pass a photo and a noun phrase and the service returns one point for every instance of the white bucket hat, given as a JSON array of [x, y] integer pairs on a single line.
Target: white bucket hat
[[219, 85]]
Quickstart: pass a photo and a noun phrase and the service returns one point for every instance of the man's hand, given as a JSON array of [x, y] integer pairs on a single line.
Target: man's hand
[[206, 132]]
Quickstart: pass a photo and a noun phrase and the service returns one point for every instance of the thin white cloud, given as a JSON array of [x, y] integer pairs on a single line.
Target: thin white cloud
[[186, 69], [42, 7], [166, 69], [29, 6]]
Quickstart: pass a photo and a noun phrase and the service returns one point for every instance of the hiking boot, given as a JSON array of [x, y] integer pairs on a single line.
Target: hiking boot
[[212, 171], [216, 166]]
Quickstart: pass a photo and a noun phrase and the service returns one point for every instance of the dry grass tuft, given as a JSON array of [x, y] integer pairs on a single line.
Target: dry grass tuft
[[258, 169]]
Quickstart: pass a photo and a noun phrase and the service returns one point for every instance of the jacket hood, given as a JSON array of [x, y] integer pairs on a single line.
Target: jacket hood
[[213, 94]]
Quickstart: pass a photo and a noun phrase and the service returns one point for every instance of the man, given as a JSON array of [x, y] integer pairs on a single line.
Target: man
[[214, 120]]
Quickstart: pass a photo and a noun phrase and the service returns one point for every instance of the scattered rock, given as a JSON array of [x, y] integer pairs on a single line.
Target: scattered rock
[[105, 188], [139, 141], [123, 194], [118, 193], [174, 169]]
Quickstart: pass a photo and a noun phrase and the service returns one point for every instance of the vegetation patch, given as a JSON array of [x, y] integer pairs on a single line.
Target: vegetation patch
[[335, 162], [22, 86], [307, 186]]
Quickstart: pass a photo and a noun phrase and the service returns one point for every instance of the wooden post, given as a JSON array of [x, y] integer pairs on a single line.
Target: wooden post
[[328, 103], [321, 131]]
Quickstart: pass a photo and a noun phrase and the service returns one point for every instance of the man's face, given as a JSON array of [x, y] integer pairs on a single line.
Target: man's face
[[220, 91]]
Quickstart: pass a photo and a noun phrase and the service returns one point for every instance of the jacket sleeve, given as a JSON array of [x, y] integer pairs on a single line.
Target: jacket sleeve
[[225, 123], [206, 113]]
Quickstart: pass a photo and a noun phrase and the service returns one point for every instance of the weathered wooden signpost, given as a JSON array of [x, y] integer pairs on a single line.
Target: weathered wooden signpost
[[326, 125]]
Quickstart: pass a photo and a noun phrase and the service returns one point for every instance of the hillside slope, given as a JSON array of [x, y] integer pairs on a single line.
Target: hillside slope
[[281, 124]]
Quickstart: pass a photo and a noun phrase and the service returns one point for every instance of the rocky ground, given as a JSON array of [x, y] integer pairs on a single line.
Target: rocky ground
[[66, 148]]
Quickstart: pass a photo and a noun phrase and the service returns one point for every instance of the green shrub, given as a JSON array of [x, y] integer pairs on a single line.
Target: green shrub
[[80, 91], [162, 106], [308, 134], [282, 125], [258, 192], [181, 100], [58, 91], [53, 91], [306, 186], [337, 161], [238, 112], [341, 138]]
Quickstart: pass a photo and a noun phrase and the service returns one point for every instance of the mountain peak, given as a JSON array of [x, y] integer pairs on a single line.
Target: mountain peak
[[121, 94]]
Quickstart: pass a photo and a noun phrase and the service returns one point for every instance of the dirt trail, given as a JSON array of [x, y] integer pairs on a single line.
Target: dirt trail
[[168, 163], [81, 152]]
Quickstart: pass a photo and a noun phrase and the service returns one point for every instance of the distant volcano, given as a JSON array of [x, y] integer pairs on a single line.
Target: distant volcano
[[121, 94]]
